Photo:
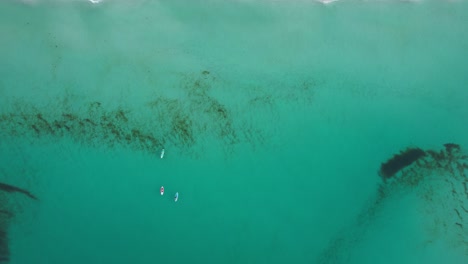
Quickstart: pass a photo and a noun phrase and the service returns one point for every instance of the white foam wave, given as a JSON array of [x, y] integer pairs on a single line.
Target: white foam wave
[[326, 2], [33, 2]]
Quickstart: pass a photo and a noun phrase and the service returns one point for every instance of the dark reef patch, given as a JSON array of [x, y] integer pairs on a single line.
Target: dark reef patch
[[437, 177], [12, 189], [94, 126], [7, 215], [180, 123], [5, 218], [400, 161], [184, 122]]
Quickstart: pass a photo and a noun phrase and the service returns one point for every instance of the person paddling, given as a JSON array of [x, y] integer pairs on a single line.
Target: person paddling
[[176, 197]]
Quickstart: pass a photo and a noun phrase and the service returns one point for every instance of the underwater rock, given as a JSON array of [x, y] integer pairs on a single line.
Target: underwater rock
[[438, 178], [10, 188], [4, 248], [399, 162], [6, 216], [449, 147]]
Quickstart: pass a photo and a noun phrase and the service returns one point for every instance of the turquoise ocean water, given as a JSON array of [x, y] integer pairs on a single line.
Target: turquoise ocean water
[[275, 117]]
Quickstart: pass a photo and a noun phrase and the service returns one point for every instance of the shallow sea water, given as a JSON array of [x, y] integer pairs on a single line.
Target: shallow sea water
[[275, 117]]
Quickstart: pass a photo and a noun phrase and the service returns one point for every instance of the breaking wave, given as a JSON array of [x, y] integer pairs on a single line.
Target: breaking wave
[[324, 2]]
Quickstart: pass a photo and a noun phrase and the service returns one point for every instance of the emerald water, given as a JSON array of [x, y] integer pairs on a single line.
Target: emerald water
[[275, 117]]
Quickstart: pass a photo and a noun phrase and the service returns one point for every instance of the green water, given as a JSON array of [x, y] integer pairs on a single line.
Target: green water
[[275, 117]]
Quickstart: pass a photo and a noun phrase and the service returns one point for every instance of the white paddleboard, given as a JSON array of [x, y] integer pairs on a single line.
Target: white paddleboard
[[162, 153], [162, 190], [176, 197]]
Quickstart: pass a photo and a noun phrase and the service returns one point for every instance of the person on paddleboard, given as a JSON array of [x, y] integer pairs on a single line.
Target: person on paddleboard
[[162, 190], [176, 197]]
